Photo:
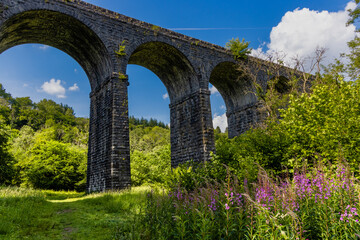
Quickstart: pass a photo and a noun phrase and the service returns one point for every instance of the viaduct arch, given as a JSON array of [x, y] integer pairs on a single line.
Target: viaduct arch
[[104, 43]]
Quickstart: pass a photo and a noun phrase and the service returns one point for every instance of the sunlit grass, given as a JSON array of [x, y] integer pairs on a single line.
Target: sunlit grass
[[44, 214]]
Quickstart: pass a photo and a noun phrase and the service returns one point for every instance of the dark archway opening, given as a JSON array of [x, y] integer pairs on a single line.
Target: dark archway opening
[[150, 154], [178, 76], [236, 88], [170, 65], [73, 37], [45, 103]]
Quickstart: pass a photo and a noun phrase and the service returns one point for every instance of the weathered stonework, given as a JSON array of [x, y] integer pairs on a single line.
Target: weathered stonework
[[192, 134], [104, 43]]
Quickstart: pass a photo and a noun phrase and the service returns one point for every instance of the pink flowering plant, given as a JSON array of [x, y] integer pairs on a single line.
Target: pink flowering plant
[[316, 204]]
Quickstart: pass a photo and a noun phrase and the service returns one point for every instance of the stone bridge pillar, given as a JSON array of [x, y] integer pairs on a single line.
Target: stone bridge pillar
[[192, 134], [243, 118], [109, 155]]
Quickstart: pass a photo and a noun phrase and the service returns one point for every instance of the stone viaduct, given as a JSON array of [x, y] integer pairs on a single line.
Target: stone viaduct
[[104, 43]]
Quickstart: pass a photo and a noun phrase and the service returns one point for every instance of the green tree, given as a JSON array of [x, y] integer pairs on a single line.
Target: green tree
[[239, 49], [149, 153], [354, 56], [147, 138], [324, 125], [55, 165], [7, 170], [150, 167]]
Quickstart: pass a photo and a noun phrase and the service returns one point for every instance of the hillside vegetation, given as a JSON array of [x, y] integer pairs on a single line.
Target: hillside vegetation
[[294, 176], [44, 146]]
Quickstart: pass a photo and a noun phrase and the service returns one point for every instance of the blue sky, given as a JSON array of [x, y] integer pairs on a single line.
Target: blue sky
[[296, 27]]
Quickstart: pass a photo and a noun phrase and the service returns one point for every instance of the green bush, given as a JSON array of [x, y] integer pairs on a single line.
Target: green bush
[[150, 167], [54, 165], [323, 125]]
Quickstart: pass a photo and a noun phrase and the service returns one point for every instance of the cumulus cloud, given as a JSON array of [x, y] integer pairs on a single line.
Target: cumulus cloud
[[213, 90], [220, 121], [75, 87], [165, 96], [301, 31], [43, 47], [54, 87]]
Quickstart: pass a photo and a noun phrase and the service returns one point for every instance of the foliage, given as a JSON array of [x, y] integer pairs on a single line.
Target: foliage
[[241, 156], [48, 146], [54, 165], [238, 49], [145, 123], [149, 168], [147, 138], [7, 170], [324, 125], [354, 45], [318, 204], [121, 52], [149, 154], [18, 112]]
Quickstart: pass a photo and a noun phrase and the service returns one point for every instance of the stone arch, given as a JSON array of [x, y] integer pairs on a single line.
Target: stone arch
[[63, 32], [190, 117], [237, 90], [169, 64], [235, 86], [31, 24]]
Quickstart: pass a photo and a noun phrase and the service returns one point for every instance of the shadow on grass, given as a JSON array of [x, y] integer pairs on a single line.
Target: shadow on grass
[[37, 214]]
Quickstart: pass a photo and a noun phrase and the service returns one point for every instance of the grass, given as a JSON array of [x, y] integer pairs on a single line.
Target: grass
[[318, 203], [39, 214]]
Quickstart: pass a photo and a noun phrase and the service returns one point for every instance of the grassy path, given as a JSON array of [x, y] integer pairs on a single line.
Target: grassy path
[[31, 214]]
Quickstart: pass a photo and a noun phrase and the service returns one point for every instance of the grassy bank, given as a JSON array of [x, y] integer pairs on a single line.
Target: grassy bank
[[36, 214]]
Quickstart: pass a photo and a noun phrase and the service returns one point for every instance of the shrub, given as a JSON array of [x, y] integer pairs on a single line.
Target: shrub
[[55, 165], [150, 167], [316, 204]]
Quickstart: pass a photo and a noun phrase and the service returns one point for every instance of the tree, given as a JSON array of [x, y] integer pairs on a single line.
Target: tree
[[7, 170], [354, 56], [238, 49], [147, 138], [149, 153], [150, 167]]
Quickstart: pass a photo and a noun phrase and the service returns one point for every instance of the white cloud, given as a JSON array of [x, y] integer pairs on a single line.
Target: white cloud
[[222, 107], [75, 70], [54, 87], [213, 90], [25, 85], [301, 31], [220, 121], [165, 96], [75, 87], [43, 47]]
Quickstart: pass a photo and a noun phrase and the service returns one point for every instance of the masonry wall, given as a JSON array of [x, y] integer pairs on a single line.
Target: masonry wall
[[109, 154], [192, 134], [242, 119]]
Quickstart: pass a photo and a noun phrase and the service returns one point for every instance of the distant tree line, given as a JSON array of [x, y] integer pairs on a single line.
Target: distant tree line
[[145, 122]]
